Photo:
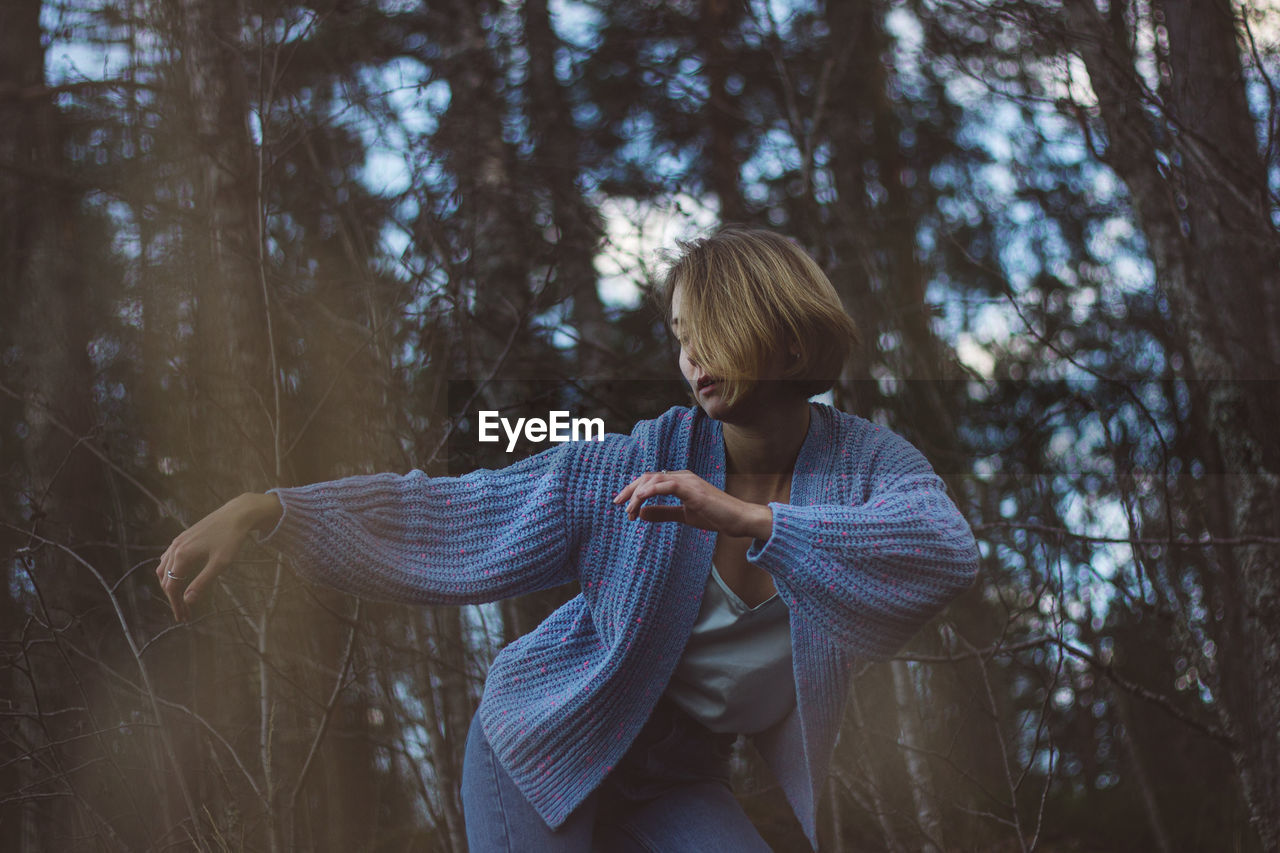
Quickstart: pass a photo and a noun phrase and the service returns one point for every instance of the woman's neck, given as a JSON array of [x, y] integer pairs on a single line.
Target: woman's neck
[[765, 446]]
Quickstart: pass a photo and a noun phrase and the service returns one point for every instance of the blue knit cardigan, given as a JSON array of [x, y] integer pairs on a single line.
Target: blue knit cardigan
[[869, 549]]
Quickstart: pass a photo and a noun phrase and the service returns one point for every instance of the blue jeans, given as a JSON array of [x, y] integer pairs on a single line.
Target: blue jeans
[[669, 793]]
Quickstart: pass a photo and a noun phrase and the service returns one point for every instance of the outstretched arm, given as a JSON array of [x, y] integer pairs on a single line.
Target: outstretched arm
[[486, 535], [489, 534]]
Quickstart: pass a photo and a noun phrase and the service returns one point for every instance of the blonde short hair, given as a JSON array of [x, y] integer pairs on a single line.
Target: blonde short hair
[[748, 292]]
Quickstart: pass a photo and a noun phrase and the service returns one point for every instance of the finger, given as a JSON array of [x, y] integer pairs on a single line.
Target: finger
[[662, 513], [173, 591], [196, 588], [164, 560], [665, 486], [639, 495], [630, 488], [626, 491], [176, 575]]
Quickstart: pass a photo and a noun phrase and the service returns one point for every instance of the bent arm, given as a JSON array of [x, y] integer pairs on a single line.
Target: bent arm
[[411, 538], [870, 575]]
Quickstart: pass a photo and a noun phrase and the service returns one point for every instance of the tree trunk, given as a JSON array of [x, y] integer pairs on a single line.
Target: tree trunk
[[495, 240], [884, 276], [724, 123], [47, 247], [928, 815], [1207, 223], [875, 789], [1138, 767], [557, 148], [232, 413], [232, 427], [452, 689]]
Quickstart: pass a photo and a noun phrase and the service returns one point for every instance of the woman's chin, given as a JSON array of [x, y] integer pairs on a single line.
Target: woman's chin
[[745, 411], [716, 409], [711, 405], [713, 410]]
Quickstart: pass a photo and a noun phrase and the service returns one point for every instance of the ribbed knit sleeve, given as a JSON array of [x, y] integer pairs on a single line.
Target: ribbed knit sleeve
[[490, 534], [870, 574]]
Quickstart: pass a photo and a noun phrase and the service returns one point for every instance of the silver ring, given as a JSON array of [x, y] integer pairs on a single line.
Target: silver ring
[[169, 574]]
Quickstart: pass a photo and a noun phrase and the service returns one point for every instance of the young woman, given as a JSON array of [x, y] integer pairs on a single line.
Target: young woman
[[735, 557]]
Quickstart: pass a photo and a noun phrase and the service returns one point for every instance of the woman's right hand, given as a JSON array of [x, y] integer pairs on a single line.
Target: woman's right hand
[[197, 555]]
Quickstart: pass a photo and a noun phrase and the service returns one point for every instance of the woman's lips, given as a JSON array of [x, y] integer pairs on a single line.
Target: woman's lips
[[706, 386]]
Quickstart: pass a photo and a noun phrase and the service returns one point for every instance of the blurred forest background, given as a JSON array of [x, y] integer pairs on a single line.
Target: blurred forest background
[[255, 243]]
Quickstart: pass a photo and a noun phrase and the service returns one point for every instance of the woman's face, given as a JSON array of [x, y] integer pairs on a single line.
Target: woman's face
[[707, 389]]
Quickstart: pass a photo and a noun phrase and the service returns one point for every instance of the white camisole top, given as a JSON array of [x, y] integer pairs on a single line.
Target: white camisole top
[[735, 673]]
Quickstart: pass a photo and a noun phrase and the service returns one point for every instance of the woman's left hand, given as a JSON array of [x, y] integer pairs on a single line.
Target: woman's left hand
[[701, 505]]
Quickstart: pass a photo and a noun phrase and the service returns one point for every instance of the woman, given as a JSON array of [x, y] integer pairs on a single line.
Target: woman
[[735, 557]]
